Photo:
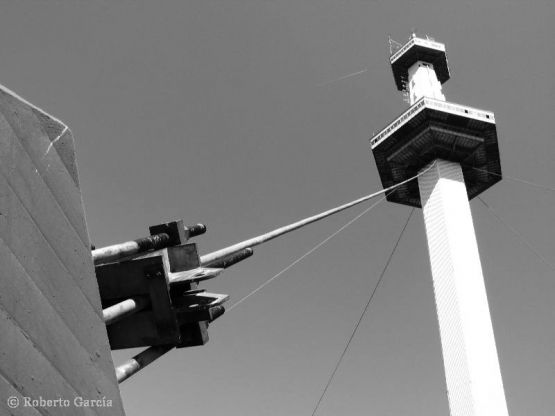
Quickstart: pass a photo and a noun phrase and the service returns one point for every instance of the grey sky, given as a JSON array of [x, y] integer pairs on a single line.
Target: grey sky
[[223, 112]]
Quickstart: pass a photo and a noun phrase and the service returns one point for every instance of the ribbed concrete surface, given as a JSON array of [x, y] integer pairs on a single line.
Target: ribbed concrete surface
[[53, 344], [470, 358]]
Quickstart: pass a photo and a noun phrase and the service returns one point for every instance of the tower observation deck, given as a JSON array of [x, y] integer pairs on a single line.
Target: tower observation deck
[[433, 128], [455, 149]]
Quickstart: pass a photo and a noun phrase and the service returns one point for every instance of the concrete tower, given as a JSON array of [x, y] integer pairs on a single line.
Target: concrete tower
[[457, 148]]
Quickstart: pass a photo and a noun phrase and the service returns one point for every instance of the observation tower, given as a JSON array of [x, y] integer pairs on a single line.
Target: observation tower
[[455, 149]]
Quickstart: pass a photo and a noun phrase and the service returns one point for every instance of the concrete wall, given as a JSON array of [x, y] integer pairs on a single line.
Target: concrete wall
[[53, 343]]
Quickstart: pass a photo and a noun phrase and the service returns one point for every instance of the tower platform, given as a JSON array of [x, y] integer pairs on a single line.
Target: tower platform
[[419, 49], [434, 129]]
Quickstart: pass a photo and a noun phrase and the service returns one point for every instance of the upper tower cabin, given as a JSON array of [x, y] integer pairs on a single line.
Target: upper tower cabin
[[433, 128], [420, 68]]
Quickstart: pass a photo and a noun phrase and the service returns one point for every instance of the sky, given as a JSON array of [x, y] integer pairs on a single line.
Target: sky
[[238, 114]]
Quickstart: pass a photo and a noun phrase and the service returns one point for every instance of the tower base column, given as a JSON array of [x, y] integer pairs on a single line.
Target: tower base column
[[472, 373]]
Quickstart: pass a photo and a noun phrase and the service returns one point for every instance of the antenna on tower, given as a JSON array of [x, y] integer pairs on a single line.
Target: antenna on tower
[[394, 46]]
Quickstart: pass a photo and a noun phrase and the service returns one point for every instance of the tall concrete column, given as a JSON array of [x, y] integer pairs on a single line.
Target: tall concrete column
[[473, 377]]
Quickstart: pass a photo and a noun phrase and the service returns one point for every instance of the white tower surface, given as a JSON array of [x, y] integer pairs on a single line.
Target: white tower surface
[[423, 82], [437, 136], [469, 354]]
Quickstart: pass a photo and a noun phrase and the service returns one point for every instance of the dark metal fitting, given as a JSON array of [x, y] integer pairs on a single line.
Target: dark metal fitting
[[197, 229], [153, 242], [232, 259]]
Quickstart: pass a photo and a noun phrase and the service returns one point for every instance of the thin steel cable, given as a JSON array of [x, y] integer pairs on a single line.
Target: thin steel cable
[[516, 179], [278, 232], [312, 250], [153, 350], [518, 234], [386, 191], [382, 274]]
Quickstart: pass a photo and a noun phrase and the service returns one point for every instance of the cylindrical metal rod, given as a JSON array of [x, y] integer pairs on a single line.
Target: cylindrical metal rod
[[231, 259], [220, 254], [140, 361], [125, 308], [118, 251], [147, 356], [194, 230]]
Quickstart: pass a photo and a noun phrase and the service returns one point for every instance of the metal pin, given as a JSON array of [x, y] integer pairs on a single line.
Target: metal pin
[[140, 361], [125, 308], [194, 230], [119, 251]]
